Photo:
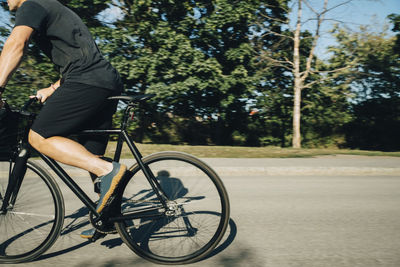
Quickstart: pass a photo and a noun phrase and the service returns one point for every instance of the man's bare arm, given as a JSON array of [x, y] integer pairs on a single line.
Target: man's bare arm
[[13, 51]]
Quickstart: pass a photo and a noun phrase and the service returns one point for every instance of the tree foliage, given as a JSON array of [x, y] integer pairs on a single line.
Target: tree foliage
[[195, 55], [213, 86], [375, 81]]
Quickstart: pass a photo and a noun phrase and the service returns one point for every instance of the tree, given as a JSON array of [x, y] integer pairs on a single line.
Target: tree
[[375, 81], [220, 77], [195, 55], [301, 64], [395, 19], [376, 72]]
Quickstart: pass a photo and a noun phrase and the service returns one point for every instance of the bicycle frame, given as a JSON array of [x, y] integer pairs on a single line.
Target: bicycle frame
[[122, 137], [15, 177]]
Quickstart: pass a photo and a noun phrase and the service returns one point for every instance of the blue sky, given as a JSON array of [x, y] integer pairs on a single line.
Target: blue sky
[[362, 11], [358, 11], [354, 14]]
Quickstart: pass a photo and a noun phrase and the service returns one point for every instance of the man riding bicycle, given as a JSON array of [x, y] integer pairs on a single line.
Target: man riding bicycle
[[75, 102]]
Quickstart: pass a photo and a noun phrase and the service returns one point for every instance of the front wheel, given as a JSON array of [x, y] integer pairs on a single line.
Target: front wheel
[[195, 220], [30, 226]]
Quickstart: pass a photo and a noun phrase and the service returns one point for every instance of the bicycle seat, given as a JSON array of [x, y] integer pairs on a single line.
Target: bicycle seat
[[130, 99]]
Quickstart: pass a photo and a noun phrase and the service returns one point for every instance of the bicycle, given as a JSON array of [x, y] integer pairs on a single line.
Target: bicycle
[[170, 208]]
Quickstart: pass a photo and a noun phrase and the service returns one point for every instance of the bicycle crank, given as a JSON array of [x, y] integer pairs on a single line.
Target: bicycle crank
[[101, 224]]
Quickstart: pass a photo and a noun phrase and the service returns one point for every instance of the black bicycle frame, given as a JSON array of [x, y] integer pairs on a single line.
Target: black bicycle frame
[[15, 176], [122, 137]]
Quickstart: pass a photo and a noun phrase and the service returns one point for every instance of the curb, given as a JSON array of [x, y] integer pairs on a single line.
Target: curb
[[306, 171], [251, 167], [277, 171]]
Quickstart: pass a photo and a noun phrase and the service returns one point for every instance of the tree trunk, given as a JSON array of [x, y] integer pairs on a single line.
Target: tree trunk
[[296, 139]]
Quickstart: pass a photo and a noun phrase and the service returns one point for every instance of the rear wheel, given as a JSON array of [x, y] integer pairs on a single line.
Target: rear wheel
[[196, 217], [33, 223]]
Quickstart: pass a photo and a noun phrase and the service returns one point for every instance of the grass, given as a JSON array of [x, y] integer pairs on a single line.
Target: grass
[[245, 152]]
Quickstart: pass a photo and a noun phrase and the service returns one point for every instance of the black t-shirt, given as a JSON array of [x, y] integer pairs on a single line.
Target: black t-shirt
[[64, 38]]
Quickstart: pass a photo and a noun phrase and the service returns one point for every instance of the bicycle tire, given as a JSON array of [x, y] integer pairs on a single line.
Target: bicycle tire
[[200, 206], [34, 223]]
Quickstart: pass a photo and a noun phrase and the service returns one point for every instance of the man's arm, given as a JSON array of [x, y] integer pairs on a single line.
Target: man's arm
[[13, 52], [45, 93]]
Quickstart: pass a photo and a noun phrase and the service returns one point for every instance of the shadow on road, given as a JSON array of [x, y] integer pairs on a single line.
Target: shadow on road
[[174, 189], [232, 230], [64, 251], [75, 224], [112, 243]]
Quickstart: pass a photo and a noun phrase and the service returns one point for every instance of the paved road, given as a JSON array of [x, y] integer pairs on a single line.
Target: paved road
[[325, 211]]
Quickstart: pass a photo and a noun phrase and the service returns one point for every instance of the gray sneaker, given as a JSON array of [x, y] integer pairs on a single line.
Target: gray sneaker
[[92, 233], [108, 185], [87, 234]]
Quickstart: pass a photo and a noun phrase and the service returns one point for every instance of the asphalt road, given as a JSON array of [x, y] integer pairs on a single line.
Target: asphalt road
[[325, 211]]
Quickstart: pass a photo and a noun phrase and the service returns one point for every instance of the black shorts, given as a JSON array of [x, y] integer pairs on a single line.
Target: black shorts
[[75, 107]]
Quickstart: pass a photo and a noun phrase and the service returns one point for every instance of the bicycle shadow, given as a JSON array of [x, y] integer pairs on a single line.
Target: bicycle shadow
[[174, 189], [227, 240], [67, 229], [72, 226]]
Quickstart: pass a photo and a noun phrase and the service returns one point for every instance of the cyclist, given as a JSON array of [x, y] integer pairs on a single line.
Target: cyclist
[[75, 102]]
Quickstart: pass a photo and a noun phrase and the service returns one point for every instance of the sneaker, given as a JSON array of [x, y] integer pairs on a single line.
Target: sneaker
[[92, 233], [88, 234], [108, 184]]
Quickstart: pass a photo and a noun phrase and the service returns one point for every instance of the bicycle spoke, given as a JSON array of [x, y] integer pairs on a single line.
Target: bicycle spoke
[[32, 225], [32, 214]]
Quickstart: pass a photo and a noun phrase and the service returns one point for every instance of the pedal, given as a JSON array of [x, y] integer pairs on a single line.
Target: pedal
[[97, 235]]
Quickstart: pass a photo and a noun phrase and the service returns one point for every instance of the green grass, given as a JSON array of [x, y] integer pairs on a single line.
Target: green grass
[[245, 152]]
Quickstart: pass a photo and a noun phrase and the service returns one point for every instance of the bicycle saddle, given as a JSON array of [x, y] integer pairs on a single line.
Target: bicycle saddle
[[130, 99]]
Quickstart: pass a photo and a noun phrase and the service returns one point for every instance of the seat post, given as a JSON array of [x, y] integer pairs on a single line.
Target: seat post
[[125, 118]]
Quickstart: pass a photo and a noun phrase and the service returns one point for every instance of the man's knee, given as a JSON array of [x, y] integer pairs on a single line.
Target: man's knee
[[35, 139]]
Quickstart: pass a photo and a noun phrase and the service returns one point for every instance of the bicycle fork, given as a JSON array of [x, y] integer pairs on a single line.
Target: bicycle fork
[[16, 175]]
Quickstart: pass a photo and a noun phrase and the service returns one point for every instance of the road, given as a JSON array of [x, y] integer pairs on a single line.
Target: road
[[326, 211]]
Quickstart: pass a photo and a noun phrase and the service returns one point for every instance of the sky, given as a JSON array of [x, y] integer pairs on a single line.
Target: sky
[[354, 14], [362, 11]]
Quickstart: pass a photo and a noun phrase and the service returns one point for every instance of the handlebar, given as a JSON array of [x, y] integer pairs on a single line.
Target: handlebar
[[23, 111], [28, 103]]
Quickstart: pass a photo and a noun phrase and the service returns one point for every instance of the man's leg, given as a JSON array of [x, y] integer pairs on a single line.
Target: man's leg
[[69, 152], [69, 110], [97, 143]]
